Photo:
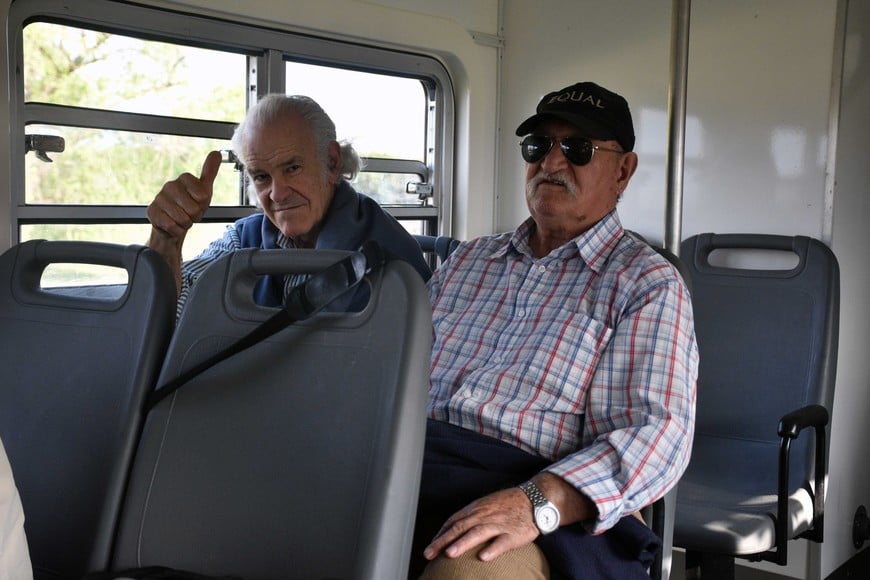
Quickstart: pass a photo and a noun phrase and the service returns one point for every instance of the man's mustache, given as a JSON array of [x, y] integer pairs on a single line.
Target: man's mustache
[[559, 178]]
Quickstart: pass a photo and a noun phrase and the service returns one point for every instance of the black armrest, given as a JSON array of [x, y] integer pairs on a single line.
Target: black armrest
[[790, 426], [810, 416]]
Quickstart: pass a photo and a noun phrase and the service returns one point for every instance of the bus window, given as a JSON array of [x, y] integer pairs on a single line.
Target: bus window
[[107, 113]]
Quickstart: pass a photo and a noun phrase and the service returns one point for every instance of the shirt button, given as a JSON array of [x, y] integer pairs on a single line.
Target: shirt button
[[521, 313], [542, 268]]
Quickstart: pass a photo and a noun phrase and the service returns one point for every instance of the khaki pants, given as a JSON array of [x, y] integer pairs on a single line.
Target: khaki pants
[[524, 563]]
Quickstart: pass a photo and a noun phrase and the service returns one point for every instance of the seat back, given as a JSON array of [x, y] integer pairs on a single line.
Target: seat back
[[768, 346], [299, 457], [440, 246], [76, 370]]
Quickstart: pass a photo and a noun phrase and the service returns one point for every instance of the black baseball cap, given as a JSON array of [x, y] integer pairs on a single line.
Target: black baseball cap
[[598, 112]]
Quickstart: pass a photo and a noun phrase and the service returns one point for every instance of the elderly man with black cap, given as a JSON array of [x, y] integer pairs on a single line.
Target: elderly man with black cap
[[562, 395]]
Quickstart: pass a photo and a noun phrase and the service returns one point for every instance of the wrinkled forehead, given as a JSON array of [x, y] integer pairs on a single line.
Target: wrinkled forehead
[[265, 140]]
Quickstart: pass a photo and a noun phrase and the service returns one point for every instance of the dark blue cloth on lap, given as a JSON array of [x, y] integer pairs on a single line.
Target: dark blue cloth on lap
[[461, 466]]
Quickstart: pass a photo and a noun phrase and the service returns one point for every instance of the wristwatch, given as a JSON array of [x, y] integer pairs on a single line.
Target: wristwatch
[[546, 514]]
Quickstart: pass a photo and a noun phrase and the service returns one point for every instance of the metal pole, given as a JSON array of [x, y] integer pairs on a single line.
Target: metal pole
[[676, 124]]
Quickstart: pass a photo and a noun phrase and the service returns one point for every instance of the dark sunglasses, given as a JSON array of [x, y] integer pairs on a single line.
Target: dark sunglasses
[[577, 150]]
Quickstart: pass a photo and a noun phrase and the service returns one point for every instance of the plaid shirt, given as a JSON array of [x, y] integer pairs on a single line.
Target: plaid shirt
[[586, 356]]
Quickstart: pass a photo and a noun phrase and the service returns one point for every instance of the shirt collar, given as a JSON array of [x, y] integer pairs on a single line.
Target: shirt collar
[[284, 242], [594, 245], [598, 242]]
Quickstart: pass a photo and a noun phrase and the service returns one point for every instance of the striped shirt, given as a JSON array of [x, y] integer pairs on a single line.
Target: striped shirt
[[586, 356]]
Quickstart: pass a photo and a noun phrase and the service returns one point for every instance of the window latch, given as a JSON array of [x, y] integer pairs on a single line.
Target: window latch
[[43, 144], [228, 156], [423, 190]]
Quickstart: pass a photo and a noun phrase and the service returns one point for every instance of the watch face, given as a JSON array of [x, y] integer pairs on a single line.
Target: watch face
[[547, 518]]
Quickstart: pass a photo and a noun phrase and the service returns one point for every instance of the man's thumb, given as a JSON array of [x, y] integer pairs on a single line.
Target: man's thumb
[[210, 168]]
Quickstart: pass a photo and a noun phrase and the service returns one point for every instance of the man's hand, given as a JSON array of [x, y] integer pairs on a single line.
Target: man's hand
[[504, 519], [183, 201], [180, 204]]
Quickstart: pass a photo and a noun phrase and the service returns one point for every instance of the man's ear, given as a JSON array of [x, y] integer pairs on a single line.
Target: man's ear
[[333, 163], [627, 167]]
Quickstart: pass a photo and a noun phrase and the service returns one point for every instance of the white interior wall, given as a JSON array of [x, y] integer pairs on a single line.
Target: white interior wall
[[758, 89], [758, 101], [551, 45]]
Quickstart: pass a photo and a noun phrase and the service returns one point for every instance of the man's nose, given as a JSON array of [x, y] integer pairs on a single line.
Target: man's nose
[[280, 188], [554, 159]]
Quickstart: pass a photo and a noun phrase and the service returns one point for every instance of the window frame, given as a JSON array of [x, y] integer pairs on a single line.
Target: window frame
[[266, 49]]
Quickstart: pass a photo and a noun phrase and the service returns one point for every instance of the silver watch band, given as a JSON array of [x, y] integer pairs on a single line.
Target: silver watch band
[[533, 493]]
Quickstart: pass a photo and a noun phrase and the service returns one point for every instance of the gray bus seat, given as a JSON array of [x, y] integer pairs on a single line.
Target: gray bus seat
[[768, 352], [76, 370], [440, 246], [298, 457]]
